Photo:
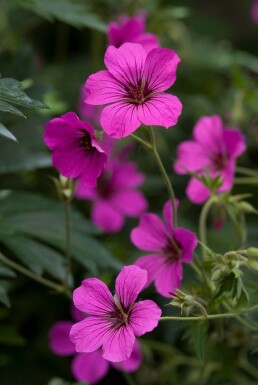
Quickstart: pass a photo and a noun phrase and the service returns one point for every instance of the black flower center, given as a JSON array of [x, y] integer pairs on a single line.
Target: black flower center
[[85, 141], [120, 316]]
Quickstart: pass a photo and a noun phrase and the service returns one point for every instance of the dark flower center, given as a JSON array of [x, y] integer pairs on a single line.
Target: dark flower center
[[85, 141], [137, 93], [120, 316], [219, 161], [172, 251], [104, 186]]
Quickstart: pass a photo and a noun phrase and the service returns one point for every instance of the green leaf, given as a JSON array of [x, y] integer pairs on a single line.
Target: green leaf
[[6, 133], [6, 107], [74, 13], [37, 256], [6, 272], [31, 225], [197, 334], [31, 152], [11, 93], [3, 295]]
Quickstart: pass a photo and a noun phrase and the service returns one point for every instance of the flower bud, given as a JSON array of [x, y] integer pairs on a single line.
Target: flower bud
[[252, 252]]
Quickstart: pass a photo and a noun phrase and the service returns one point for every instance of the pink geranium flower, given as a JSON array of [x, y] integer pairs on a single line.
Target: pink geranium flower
[[213, 150], [117, 194], [113, 322], [88, 367], [75, 151], [131, 30], [134, 86], [169, 247]]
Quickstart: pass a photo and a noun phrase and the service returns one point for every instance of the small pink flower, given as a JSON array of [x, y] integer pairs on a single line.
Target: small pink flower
[[254, 11], [134, 86], [113, 322], [214, 149], [88, 367], [75, 151], [117, 195], [131, 30], [169, 247]]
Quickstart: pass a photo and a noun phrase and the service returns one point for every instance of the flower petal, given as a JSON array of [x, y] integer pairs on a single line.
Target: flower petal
[[168, 215], [160, 69], [131, 203], [133, 362], [191, 156], [88, 335], [144, 317], [197, 192], [169, 278], [235, 143], [149, 41], [107, 217], [187, 241], [120, 119], [151, 234], [93, 165], [93, 297], [129, 283], [160, 110], [208, 131], [126, 63], [151, 263], [59, 341], [118, 345], [102, 88], [90, 367], [126, 174], [69, 161]]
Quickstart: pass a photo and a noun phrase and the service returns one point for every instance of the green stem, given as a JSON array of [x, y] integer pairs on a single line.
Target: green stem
[[203, 220], [250, 369], [247, 180], [210, 316], [30, 274], [164, 174], [246, 171], [147, 145], [67, 241]]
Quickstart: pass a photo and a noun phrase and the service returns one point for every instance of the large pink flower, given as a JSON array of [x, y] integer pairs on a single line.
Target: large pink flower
[[117, 194], [213, 150], [131, 30], [113, 322], [169, 247], [75, 151], [134, 86], [88, 367]]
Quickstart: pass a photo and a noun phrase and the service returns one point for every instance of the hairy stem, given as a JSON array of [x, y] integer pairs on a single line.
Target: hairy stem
[[164, 174], [210, 316], [30, 274], [147, 145]]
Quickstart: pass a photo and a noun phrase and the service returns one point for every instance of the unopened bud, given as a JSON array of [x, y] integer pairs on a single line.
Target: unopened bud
[[252, 252], [253, 264]]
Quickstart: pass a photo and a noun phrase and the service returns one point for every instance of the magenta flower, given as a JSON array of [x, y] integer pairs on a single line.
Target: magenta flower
[[213, 150], [88, 367], [113, 322], [134, 86], [131, 30], [169, 247], [254, 11], [75, 151], [117, 195]]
